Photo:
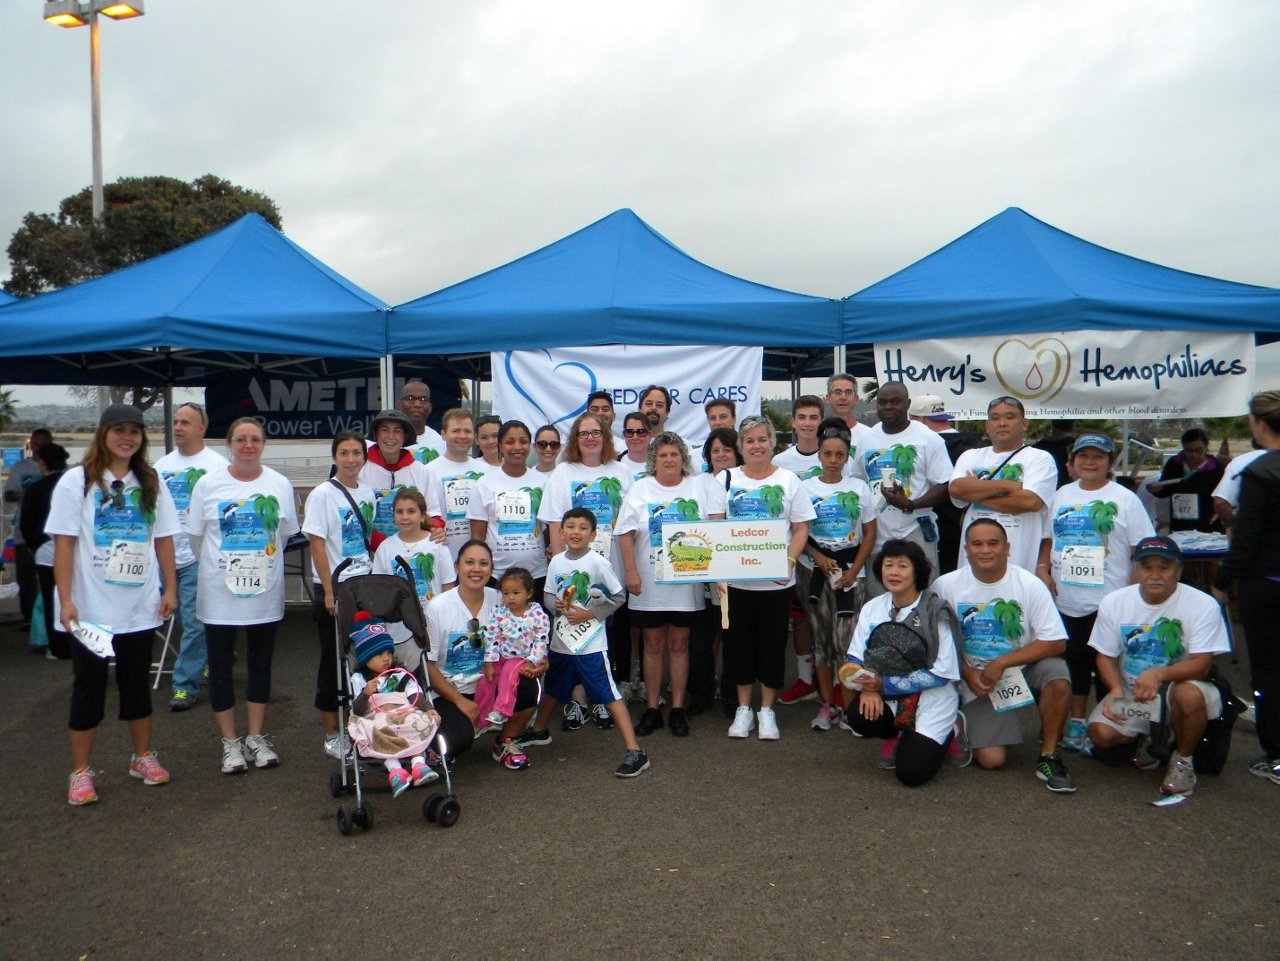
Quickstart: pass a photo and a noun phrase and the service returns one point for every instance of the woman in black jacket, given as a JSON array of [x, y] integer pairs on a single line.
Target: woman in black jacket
[[52, 459], [1254, 561]]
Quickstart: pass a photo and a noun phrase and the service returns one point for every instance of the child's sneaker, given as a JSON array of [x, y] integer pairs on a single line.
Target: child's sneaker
[[827, 713], [80, 789], [258, 749], [534, 738], [575, 715], [633, 763], [233, 761], [600, 714], [147, 767], [399, 780], [422, 773], [1076, 734], [507, 753], [496, 718]]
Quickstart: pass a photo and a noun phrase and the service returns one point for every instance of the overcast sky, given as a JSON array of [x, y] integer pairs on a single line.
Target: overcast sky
[[815, 146]]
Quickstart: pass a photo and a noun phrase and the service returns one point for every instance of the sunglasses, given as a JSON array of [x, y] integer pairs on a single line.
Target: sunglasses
[[1011, 401], [835, 432], [117, 495], [547, 444], [635, 432], [474, 634], [591, 434]]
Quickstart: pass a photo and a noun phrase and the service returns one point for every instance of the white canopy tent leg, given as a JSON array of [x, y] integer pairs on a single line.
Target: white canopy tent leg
[[386, 373]]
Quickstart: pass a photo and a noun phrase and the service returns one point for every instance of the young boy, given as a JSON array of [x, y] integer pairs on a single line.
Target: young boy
[[583, 590]]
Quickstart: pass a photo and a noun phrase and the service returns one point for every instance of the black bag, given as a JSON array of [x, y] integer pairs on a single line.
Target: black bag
[[1211, 753]]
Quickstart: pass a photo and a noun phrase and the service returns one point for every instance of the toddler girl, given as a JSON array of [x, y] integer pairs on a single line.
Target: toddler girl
[[518, 635]]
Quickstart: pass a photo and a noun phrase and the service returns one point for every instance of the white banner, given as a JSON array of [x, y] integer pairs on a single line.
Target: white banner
[[1142, 375], [551, 386]]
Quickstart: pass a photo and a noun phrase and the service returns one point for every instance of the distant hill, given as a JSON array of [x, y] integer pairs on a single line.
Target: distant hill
[[67, 417]]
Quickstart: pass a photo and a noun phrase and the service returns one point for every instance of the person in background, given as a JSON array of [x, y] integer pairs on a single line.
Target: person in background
[[600, 403], [1188, 480], [415, 403], [180, 469], [842, 401], [655, 404], [635, 435], [455, 474], [931, 411], [52, 459], [1254, 565], [21, 476], [1062, 435], [721, 412], [487, 441], [546, 443], [390, 466]]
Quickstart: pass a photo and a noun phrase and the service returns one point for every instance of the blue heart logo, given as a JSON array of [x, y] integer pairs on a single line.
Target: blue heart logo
[[520, 389]]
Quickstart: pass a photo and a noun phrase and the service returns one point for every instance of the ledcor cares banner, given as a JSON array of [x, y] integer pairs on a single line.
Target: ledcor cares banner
[[550, 386], [1081, 374]]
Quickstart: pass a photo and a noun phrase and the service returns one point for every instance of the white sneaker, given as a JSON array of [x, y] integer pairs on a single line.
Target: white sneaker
[[825, 717], [233, 761], [743, 721], [258, 748], [337, 746], [768, 724]]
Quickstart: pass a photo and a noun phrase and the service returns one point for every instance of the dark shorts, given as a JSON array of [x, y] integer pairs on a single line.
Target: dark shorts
[[566, 671], [652, 619]]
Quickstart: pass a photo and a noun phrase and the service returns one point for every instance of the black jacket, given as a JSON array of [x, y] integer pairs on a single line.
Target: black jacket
[[1255, 535], [36, 501]]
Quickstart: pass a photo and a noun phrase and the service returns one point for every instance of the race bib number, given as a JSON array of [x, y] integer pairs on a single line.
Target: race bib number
[[602, 542], [1081, 565], [1185, 507], [1150, 711], [575, 637], [457, 497], [128, 563], [1011, 691], [513, 511], [96, 638], [246, 574]]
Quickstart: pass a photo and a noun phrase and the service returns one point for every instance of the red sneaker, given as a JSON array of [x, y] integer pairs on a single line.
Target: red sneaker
[[801, 690]]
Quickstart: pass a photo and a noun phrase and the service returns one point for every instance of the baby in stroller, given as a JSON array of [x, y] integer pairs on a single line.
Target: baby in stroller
[[386, 722]]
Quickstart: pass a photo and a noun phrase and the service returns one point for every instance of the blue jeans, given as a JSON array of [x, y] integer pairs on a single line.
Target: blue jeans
[[188, 666]]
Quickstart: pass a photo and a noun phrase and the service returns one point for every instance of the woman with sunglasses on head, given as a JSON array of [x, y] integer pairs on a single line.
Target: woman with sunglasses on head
[[112, 522], [546, 444], [240, 519], [457, 623], [504, 509], [592, 477], [635, 435]]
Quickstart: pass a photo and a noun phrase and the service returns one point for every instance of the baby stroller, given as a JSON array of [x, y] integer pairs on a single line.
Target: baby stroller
[[395, 600]]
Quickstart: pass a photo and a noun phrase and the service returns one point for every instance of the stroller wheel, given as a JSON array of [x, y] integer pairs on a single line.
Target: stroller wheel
[[335, 784], [363, 817], [431, 807], [344, 821], [449, 811]]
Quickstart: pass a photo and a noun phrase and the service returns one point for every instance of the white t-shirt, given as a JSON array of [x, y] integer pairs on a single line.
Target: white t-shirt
[[453, 482], [1038, 472], [919, 456], [429, 445], [115, 578], [840, 510], [180, 473], [647, 506], [1142, 635], [999, 618], [386, 483], [244, 526], [1098, 561], [509, 507], [1229, 487], [803, 466], [598, 489], [591, 573], [328, 515], [430, 563], [938, 706], [456, 651], [637, 468], [777, 496]]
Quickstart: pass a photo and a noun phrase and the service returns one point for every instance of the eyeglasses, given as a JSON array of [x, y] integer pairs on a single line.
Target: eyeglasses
[[635, 432], [474, 634], [591, 434], [841, 392], [547, 444], [1011, 401], [117, 495], [416, 400]]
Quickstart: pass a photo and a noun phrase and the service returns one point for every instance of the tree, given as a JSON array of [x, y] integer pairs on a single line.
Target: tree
[[8, 409], [144, 217]]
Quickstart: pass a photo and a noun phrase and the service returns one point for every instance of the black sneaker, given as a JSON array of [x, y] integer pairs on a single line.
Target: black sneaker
[[575, 715], [649, 722], [633, 764], [1050, 769], [600, 714], [678, 723], [531, 738]]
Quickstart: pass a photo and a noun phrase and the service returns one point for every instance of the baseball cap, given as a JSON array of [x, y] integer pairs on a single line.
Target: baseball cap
[[118, 414], [1097, 441], [1158, 546], [930, 407]]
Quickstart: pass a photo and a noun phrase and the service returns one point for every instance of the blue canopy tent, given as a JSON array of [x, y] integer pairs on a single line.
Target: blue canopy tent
[[616, 281], [6, 298], [1018, 274], [241, 297]]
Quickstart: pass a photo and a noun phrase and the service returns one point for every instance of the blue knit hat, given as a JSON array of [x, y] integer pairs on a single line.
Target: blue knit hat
[[370, 636]]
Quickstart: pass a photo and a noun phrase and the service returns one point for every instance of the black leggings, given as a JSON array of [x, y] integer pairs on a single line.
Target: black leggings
[[327, 672], [1260, 614], [89, 680], [918, 758], [459, 734], [1082, 660], [60, 641], [618, 634], [756, 642], [221, 641]]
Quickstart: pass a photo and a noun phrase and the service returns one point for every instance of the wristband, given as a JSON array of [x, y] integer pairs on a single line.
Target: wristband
[[791, 560]]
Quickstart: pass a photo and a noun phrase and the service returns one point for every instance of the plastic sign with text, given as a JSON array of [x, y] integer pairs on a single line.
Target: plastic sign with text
[[729, 550]]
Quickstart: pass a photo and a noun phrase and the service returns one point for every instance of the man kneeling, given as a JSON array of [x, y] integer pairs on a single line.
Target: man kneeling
[[1157, 631]]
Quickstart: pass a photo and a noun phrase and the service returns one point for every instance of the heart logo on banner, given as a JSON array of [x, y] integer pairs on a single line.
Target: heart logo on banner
[[564, 379], [1033, 372]]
